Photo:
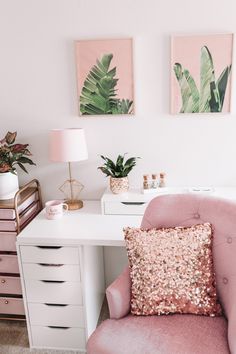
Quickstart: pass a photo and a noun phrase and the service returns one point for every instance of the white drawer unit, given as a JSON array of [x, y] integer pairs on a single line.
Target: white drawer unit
[[131, 203], [58, 337], [54, 292], [50, 254], [44, 271], [55, 286], [56, 315], [124, 208]]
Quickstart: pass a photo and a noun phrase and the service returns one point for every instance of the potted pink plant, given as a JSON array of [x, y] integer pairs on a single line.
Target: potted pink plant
[[11, 156]]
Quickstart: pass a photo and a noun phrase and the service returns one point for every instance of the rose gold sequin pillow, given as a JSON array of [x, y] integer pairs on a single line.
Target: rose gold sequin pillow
[[172, 270]]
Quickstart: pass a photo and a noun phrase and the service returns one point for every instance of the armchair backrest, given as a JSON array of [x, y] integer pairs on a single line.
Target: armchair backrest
[[190, 209]]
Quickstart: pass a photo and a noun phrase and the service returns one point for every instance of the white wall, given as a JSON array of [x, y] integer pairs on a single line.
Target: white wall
[[38, 89]]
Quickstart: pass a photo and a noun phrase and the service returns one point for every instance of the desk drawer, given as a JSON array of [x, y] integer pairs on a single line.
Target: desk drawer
[[50, 254], [56, 315], [125, 208], [44, 271], [8, 264], [58, 338], [10, 285], [11, 306], [8, 241], [52, 292]]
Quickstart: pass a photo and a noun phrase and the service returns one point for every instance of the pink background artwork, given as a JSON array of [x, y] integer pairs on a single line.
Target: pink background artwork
[[88, 51], [186, 50]]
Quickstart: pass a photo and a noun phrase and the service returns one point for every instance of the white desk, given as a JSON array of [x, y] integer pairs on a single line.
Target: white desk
[[62, 272], [86, 226], [61, 263]]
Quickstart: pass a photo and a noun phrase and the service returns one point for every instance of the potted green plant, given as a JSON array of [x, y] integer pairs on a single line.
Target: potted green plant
[[118, 172], [12, 155]]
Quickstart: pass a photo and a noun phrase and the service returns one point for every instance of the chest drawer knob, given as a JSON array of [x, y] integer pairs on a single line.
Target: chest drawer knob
[[6, 302], [3, 281]]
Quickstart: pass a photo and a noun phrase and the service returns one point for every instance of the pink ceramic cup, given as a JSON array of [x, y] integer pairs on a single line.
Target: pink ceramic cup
[[55, 209]]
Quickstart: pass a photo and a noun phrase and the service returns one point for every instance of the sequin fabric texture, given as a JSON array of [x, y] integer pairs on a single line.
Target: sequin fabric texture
[[172, 270]]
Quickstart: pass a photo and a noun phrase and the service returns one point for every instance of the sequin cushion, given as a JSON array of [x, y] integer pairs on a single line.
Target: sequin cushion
[[172, 270]]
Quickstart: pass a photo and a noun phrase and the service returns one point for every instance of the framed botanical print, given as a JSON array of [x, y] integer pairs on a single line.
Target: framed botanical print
[[201, 69], [105, 77]]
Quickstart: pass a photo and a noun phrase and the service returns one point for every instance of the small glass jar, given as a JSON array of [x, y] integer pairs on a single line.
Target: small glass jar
[[145, 182], [154, 184], [162, 182]]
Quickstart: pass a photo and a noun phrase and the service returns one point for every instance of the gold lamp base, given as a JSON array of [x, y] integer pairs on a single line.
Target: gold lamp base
[[71, 189], [74, 204]]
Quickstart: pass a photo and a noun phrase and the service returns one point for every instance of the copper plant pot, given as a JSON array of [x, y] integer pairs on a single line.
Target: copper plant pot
[[119, 185]]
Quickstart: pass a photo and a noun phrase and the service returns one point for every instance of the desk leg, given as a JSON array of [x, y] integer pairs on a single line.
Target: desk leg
[[93, 284]]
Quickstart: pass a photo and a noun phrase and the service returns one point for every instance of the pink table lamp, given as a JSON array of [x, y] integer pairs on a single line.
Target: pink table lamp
[[68, 145]]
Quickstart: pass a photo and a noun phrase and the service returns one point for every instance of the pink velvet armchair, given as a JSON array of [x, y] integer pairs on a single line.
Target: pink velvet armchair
[[124, 333]]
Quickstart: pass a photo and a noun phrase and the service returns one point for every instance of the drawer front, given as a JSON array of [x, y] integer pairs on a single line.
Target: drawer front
[[8, 264], [8, 241], [11, 306], [55, 315], [125, 208], [50, 255], [10, 285], [54, 292], [58, 338], [44, 271]]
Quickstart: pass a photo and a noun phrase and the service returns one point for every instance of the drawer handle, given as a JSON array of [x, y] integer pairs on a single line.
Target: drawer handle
[[6, 302], [133, 203], [61, 305], [49, 247], [3, 281], [50, 265], [58, 327], [53, 281]]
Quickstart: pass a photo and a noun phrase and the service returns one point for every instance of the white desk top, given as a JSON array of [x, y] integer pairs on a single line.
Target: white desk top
[[86, 226]]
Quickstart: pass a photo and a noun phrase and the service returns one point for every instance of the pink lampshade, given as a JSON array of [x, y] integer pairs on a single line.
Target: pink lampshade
[[67, 145]]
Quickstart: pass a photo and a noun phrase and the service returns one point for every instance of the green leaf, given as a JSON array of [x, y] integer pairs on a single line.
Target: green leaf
[[98, 95], [193, 103], [106, 61], [22, 167], [214, 102], [222, 84], [25, 160], [207, 76], [187, 102], [118, 169]]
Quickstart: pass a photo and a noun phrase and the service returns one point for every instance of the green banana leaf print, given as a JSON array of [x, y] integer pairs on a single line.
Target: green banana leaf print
[[210, 96], [99, 93]]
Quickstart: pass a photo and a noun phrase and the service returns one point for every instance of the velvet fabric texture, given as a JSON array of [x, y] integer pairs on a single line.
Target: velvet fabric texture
[[128, 332], [171, 270], [172, 334]]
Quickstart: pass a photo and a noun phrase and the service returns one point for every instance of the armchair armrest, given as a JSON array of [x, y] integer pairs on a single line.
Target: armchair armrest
[[118, 295], [231, 330]]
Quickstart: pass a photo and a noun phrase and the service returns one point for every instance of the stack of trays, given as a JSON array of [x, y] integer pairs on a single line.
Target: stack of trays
[[12, 221]]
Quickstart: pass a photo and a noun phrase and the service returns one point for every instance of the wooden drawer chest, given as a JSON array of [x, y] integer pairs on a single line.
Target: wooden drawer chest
[[15, 214]]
